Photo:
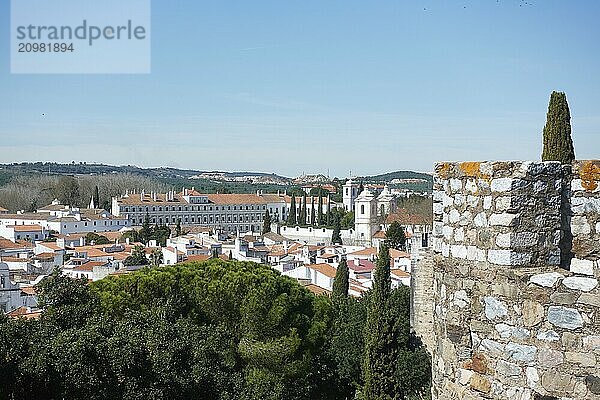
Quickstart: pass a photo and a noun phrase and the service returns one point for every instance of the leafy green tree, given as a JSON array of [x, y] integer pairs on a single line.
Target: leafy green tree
[[266, 222], [347, 220], [336, 237], [328, 211], [96, 239], [558, 144], [291, 220], [395, 236], [132, 235], [380, 341], [156, 257], [67, 191], [313, 215], [161, 233], [137, 257]]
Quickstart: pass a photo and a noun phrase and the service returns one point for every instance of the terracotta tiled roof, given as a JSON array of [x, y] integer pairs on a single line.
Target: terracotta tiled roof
[[404, 217], [399, 273], [325, 269], [26, 228], [9, 244], [369, 251], [29, 290], [398, 254], [24, 312], [318, 290]]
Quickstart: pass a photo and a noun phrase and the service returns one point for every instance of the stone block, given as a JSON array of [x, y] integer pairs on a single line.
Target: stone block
[[550, 358], [563, 317], [480, 220], [506, 369], [583, 359], [532, 377], [533, 313], [502, 184], [589, 299], [503, 219], [458, 251], [520, 352], [548, 336], [580, 226], [547, 279], [487, 202], [453, 216], [480, 383], [580, 283], [582, 267], [494, 308], [564, 298], [557, 382], [591, 343]]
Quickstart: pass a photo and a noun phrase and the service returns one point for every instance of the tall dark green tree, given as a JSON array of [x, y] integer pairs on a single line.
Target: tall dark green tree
[[291, 220], [303, 211], [336, 237], [178, 227], [380, 344], [145, 233], [395, 236], [361, 187], [340, 282], [266, 222], [328, 210], [558, 144], [313, 214], [96, 197], [320, 211]]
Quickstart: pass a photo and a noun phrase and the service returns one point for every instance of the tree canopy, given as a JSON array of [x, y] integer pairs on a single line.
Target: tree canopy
[[201, 330]]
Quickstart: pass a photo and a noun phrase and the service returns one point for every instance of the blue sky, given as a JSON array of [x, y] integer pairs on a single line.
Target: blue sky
[[312, 86]]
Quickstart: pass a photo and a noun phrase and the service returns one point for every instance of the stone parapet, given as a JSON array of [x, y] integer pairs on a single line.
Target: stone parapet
[[514, 274]]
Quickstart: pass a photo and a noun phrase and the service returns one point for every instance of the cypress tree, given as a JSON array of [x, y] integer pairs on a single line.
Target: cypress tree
[[291, 220], [336, 238], [146, 231], [328, 210], [340, 282], [266, 222], [558, 144], [313, 215], [96, 197], [380, 343], [303, 211], [178, 227], [320, 210]]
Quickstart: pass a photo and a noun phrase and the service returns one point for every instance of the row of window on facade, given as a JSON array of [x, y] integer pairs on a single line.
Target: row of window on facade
[[191, 208], [205, 219]]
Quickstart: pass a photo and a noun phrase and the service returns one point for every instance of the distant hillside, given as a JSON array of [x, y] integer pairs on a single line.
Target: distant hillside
[[99, 169], [409, 180]]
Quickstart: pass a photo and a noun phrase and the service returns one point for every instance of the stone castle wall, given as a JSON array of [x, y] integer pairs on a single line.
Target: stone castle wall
[[516, 302]]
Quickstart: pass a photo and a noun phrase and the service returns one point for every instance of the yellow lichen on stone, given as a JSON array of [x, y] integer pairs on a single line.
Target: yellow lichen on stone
[[590, 175], [472, 169], [443, 170]]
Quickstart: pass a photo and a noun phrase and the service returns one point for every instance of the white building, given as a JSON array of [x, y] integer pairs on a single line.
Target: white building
[[227, 212], [11, 295], [64, 220]]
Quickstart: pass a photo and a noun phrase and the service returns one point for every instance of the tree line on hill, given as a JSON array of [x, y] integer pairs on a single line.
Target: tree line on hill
[[30, 192], [214, 330]]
